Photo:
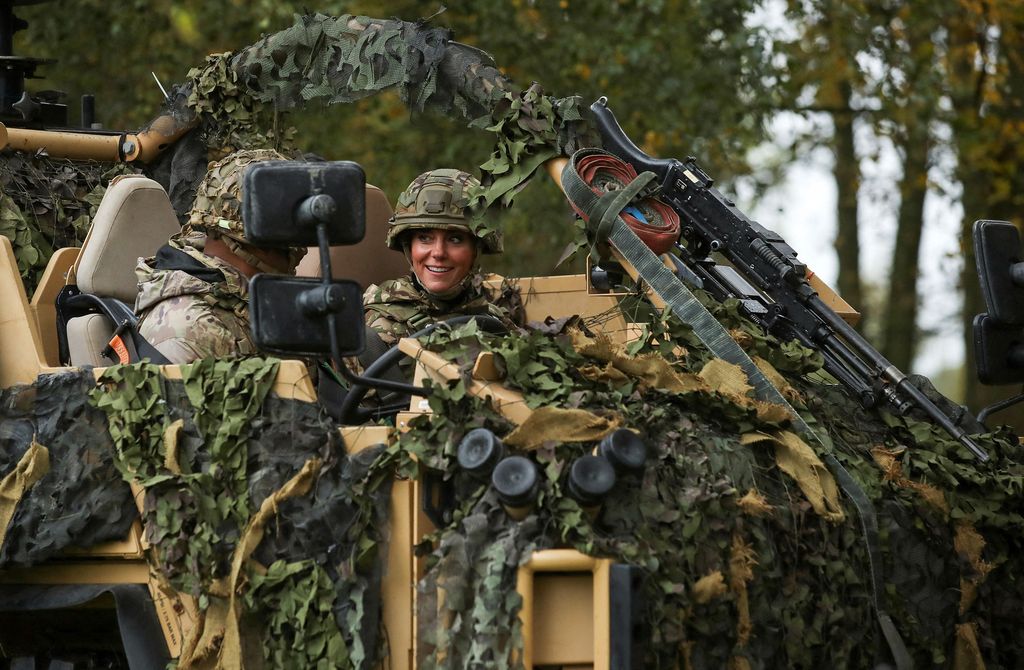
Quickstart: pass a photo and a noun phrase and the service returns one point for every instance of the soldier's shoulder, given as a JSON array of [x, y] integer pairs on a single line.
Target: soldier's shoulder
[[390, 291]]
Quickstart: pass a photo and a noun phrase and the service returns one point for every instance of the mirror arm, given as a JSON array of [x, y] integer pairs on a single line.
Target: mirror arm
[[999, 406], [323, 243]]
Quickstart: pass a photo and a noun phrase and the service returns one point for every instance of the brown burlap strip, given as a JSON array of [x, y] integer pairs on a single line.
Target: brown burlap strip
[[33, 465], [561, 425], [799, 461]]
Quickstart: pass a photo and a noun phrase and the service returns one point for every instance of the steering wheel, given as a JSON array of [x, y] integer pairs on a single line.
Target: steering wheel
[[352, 414]]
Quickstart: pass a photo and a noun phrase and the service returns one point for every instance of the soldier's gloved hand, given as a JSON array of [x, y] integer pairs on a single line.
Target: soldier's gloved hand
[[960, 415]]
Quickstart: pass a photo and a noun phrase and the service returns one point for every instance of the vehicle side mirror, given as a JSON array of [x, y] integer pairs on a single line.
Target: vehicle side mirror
[[284, 201], [998, 351], [1000, 269], [296, 204], [290, 316]]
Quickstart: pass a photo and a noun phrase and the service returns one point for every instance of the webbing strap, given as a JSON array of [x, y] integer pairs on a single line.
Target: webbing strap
[[607, 207], [688, 309]]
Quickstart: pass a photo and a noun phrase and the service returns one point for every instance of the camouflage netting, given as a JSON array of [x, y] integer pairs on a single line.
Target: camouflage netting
[[245, 494], [48, 203], [751, 558], [254, 508], [81, 500], [238, 97]]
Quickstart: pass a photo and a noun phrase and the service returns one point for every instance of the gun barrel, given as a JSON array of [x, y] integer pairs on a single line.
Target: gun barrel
[[888, 372], [922, 401], [73, 145]]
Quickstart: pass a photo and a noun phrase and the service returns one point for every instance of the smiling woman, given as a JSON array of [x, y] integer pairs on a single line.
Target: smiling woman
[[441, 259], [432, 227]]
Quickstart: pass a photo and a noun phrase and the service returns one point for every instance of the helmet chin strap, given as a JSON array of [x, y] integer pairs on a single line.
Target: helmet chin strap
[[239, 249]]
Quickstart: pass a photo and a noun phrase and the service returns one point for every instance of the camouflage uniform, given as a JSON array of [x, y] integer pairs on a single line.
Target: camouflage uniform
[[188, 310], [400, 307], [193, 305]]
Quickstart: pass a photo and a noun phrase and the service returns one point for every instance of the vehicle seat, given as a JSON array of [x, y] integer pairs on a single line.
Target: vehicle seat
[[369, 261], [134, 219]]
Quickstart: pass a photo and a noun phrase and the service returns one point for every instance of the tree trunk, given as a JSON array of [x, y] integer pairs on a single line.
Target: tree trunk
[[899, 336], [987, 85], [847, 175]]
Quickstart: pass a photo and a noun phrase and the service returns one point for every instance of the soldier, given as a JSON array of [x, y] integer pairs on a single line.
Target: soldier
[[432, 227], [193, 295]]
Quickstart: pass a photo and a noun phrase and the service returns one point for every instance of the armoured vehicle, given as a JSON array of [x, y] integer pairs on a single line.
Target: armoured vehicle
[[686, 459]]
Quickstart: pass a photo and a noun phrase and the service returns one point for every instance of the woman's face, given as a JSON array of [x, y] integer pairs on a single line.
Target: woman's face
[[441, 258]]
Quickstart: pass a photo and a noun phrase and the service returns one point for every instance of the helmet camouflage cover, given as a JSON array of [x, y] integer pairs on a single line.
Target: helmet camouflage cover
[[218, 202], [439, 199], [217, 209]]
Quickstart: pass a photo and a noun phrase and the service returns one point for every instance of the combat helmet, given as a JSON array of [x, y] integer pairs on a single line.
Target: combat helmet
[[217, 209], [439, 199]]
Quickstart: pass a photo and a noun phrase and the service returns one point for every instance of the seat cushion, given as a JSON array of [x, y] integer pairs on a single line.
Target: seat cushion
[[88, 336], [369, 261], [134, 219]]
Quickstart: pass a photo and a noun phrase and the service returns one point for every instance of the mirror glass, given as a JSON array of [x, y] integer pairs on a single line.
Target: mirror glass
[[273, 194], [998, 351], [281, 325], [997, 250]]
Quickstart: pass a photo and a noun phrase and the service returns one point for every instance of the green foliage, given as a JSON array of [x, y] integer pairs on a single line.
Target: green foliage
[[689, 516]]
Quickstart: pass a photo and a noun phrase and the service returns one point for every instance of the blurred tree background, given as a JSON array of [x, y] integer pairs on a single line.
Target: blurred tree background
[[939, 84]]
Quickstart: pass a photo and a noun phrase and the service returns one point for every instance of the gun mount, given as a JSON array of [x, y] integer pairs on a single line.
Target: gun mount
[[18, 107]]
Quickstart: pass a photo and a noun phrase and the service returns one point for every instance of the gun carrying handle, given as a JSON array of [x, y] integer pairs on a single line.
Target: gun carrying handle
[[616, 141]]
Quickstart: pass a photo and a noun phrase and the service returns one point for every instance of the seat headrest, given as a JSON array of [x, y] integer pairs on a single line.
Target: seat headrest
[[134, 219], [369, 261]]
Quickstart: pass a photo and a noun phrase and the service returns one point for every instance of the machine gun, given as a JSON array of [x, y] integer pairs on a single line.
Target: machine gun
[[763, 272], [33, 122]]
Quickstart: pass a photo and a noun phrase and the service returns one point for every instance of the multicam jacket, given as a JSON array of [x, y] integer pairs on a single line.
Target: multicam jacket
[[400, 307], [192, 305]]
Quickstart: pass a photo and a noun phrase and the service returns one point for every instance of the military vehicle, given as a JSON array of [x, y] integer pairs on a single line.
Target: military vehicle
[[687, 459]]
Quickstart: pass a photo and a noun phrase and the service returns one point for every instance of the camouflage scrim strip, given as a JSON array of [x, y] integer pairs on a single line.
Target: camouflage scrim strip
[[346, 58]]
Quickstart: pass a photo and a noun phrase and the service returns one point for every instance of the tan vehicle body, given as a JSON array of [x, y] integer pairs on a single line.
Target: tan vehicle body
[[576, 583]]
